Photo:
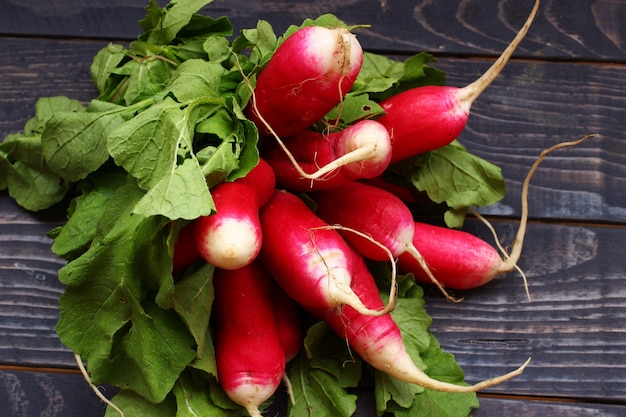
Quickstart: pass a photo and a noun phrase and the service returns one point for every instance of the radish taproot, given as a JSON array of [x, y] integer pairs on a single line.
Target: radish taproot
[[248, 351], [426, 118], [378, 340], [463, 261], [231, 237], [377, 213], [310, 262], [315, 160], [307, 76]]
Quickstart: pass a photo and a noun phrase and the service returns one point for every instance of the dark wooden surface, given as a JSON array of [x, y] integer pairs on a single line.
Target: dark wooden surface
[[567, 79]]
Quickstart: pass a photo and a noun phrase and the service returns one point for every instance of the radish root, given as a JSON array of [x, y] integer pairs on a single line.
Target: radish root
[[473, 90], [95, 389], [393, 290], [512, 258]]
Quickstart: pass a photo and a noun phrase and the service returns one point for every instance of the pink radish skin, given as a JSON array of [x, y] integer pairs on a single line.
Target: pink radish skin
[[231, 238], [309, 261], [362, 150], [458, 259], [289, 321], [249, 355], [307, 76], [426, 118], [374, 212], [378, 341], [185, 251]]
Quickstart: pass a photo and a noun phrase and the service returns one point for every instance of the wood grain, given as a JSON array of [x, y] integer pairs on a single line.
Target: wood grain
[[565, 29]]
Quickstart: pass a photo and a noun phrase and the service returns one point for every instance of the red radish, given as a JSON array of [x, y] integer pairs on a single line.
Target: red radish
[[231, 237], [461, 260], [310, 262], [262, 179], [185, 251], [362, 150], [290, 329], [307, 76], [378, 341], [404, 193], [376, 213], [426, 118], [250, 359]]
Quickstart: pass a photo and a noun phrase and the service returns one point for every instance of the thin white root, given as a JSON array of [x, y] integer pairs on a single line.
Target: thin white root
[[511, 259], [95, 389], [412, 250], [474, 89], [393, 290], [289, 388], [510, 263], [360, 154]]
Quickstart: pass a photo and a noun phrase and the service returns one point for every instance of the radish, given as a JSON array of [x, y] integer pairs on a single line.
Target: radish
[[185, 250], [289, 321], [378, 341], [463, 261], [376, 213], [307, 76], [316, 161], [249, 355], [310, 262], [426, 118], [231, 237]]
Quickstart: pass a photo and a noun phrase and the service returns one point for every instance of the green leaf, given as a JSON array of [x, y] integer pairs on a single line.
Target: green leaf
[[195, 79], [318, 394], [161, 26], [27, 176], [134, 405], [193, 399], [74, 237], [193, 298], [321, 374], [181, 194], [103, 66], [456, 177], [144, 78], [74, 142], [125, 339]]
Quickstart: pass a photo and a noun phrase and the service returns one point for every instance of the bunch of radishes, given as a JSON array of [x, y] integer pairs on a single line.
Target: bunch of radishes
[[302, 222]]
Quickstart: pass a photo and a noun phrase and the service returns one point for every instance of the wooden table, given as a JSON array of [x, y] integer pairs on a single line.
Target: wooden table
[[567, 79]]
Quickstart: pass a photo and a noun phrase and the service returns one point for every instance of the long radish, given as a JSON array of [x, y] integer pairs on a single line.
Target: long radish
[[362, 150], [231, 237], [248, 352], [463, 261], [374, 212], [426, 118], [378, 341], [307, 76], [290, 322], [310, 262]]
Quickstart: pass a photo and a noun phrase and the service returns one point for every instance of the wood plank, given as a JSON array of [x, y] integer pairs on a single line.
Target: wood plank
[[40, 393], [531, 106], [565, 29]]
